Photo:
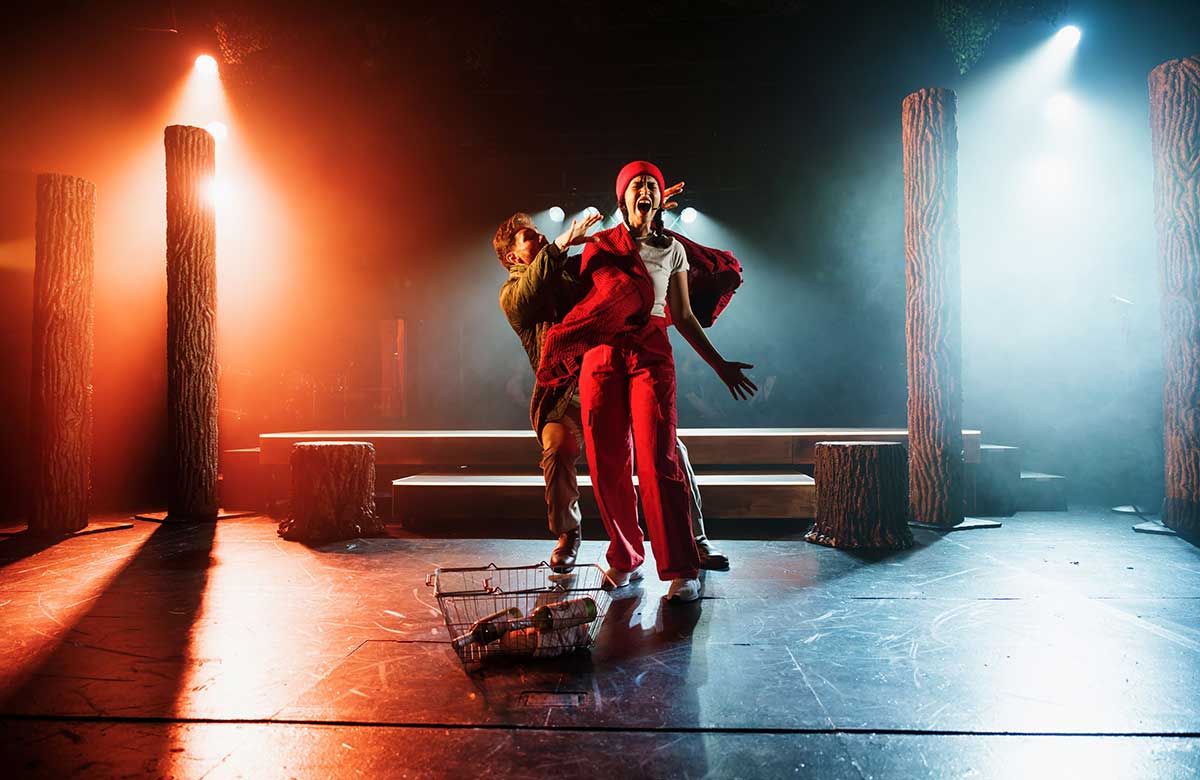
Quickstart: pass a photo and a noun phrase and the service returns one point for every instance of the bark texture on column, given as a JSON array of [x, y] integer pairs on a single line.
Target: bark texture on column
[[1175, 133], [191, 325], [61, 388], [933, 327], [862, 495], [333, 492]]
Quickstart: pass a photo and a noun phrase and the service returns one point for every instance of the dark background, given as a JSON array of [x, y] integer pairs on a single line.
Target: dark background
[[388, 143]]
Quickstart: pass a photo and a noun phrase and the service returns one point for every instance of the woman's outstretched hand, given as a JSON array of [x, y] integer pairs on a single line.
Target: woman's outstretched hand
[[733, 375], [669, 193], [577, 233]]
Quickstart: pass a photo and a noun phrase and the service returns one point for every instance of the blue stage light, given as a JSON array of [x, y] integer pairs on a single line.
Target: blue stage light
[[1068, 37], [557, 214]]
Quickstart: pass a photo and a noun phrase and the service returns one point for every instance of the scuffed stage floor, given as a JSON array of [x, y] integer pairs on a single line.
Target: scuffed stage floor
[[1062, 645]]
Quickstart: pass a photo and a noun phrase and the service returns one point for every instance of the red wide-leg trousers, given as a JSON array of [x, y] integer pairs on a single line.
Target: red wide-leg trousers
[[627, 393]]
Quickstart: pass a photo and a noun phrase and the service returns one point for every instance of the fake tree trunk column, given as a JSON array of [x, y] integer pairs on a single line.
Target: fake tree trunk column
[[933, 329], [1175, 133], [61, 391], [191, 325]]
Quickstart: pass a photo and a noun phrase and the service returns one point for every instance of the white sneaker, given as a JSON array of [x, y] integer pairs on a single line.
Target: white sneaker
[[684, 589], [619, 579]]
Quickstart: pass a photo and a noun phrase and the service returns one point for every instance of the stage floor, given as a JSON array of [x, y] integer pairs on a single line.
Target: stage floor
[[1061, 645]]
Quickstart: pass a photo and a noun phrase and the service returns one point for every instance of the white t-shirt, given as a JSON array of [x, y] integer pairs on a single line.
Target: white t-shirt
[[662, 265]]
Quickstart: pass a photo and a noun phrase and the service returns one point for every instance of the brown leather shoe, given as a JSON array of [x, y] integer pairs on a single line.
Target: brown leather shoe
[[710, 557], [563, 557]]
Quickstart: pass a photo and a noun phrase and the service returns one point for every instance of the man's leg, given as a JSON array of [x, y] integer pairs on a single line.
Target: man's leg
[[560, 453], [710, 556]]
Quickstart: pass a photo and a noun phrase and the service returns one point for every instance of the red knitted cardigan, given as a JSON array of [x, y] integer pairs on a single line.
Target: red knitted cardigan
[[620, 295]]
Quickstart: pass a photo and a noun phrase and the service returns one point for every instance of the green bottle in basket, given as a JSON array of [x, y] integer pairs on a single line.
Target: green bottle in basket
[[563, 614], [489, 629]]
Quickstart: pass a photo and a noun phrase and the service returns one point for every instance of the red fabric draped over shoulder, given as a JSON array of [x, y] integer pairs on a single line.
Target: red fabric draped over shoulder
[[617, 303], [713, 277], [621, 294]]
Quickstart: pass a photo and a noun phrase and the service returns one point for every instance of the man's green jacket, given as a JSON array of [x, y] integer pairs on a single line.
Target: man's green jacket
[[534, 297]]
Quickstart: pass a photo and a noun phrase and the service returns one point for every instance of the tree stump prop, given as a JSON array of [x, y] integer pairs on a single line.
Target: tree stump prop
[[933, 326], [1175, 135], [191, 325], [862, 495], [333, 492], [61, 388]]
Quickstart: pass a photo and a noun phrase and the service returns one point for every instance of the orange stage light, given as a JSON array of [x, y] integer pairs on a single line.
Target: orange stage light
[[207, 65], [218, 130]]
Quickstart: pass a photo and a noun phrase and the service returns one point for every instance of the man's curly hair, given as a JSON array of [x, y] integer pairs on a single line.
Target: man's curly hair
[[506, 234]]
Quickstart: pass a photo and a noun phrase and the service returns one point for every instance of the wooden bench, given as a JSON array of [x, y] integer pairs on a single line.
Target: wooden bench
[[449, 497], [519, 448]]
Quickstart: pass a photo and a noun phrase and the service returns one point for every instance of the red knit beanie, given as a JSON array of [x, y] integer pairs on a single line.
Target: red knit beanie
[[632, 171]]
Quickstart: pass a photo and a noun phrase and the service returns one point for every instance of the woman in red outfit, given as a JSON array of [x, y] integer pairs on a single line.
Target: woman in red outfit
[[617, 337]]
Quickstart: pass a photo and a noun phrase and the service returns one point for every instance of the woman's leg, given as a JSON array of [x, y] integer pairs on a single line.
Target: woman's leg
[[604, 398], [665, 496]]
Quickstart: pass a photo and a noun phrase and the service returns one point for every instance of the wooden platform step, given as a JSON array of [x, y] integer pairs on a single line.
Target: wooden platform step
[[434, 498], [992, 483], [1040, 492], [706, 446]]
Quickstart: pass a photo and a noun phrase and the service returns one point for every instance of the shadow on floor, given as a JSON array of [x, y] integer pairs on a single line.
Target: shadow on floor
[[129, 654], [20, 546]]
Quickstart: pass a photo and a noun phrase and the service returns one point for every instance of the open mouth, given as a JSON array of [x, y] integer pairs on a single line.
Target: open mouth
[[644, 205]]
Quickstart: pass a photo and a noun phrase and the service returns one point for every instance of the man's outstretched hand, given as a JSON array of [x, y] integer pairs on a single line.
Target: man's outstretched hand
[[733, 375], [577, 233], [669, 193]]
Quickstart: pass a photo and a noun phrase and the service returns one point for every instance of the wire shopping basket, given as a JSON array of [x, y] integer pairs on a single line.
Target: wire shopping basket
[[514, 605]]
